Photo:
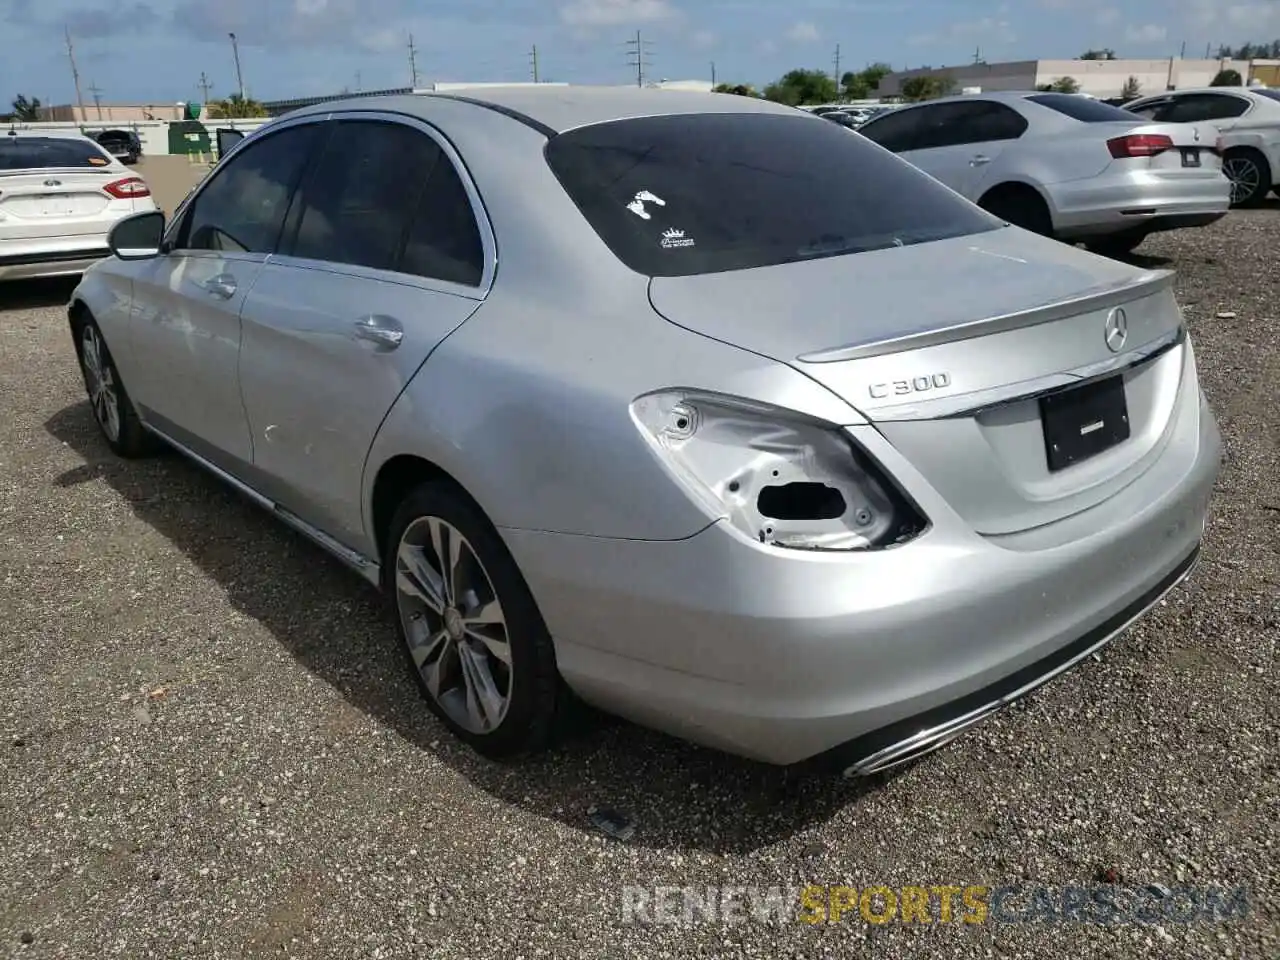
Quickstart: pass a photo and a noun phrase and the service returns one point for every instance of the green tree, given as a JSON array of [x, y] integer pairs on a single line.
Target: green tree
[[860, 84], [1227, 78], [1132, 89], [236, 107], [1065, 85], [1104, 54], [26, 109], [738, 89], [798, 87], [927, 86]]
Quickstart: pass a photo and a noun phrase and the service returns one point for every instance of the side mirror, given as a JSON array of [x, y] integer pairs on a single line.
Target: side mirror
[[138, 236]]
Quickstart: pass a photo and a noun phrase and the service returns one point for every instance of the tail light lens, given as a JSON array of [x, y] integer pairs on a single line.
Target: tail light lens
[[1139, 145], [130, 188]]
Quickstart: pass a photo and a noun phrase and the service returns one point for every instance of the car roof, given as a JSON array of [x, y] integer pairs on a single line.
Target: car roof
[[557, 109], [1183, 91]]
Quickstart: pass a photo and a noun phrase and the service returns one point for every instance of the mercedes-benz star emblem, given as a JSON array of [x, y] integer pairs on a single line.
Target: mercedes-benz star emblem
[[1116, 330], [53, 183]]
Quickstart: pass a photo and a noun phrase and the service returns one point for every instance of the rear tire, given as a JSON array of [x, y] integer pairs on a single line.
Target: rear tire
[[1116, 245], [1020, 205], [473, 634], [1250, 176], [112, 408]]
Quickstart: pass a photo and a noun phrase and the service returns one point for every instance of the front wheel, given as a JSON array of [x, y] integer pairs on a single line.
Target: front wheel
[[475, 639], [112, 408]]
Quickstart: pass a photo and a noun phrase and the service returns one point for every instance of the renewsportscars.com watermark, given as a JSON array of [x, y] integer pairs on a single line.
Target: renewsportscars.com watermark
[[935, 903]]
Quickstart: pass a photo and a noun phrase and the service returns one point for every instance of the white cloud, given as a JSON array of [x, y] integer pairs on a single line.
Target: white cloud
[[802, 32], [615, 13], [1146, 33], [985, 30]]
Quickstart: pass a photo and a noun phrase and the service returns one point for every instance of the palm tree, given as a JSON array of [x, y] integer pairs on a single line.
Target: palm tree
[[26, 109]]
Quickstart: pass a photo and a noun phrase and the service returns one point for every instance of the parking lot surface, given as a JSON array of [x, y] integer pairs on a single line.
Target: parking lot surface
[[211, 746]]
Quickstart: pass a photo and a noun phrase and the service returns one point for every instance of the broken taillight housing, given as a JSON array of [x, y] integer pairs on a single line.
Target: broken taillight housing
[[779, 476]]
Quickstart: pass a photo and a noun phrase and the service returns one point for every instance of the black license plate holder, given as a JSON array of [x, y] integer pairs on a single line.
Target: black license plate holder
[[1084, 421], [1190, 157]]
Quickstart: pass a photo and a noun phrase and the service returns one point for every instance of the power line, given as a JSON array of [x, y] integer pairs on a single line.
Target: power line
[[637, 56], [413, 63], [533, 62], [75, 73]]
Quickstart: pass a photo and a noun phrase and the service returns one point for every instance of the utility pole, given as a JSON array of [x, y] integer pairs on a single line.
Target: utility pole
[[1208, 47], [96, 92], [977, 55], [640, 53], [357, 81], [837, 64], [75, 74], [205, 86], [413, 63], [713, 73], [235, 52], [533, 63]]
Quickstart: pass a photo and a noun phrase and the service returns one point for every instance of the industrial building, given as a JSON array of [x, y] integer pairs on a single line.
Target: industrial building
[[1099, 78]]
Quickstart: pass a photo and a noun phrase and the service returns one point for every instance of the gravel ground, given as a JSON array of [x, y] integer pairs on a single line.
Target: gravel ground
[[211, 747]]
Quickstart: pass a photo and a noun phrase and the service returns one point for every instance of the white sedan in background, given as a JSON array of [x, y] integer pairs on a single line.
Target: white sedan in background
[[60, 194], [1249, 119], [1063, 165]]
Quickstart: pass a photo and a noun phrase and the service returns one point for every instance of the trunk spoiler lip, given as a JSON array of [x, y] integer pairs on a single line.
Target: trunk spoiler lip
[[1095, 298]]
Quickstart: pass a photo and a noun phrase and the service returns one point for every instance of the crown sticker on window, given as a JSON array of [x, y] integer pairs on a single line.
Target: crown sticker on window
[[675, 238], [637, 207]]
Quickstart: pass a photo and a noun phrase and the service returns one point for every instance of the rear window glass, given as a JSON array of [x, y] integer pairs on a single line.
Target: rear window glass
[[37, 153], [1082, 108], [1269, 94], [689, 194]]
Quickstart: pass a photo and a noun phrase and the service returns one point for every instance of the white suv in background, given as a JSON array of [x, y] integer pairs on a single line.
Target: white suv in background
[[60, 193], [1249, 120]]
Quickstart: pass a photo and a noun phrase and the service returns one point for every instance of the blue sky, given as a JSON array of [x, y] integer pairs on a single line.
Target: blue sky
[[153, 51]]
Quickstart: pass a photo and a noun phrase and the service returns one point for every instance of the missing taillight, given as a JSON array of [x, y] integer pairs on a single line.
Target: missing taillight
[[801, 501], [1139, 145], [130, 188]]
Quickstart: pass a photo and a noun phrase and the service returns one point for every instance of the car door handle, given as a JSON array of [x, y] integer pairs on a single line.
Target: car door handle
[[385, 331], [979, 160], [223, 285]]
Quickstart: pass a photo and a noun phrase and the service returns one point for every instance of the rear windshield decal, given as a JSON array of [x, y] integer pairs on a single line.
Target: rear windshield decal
[[675, 238], [637, 203]]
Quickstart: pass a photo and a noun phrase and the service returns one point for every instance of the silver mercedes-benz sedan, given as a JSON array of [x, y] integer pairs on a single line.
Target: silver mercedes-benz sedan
[[690, 405]]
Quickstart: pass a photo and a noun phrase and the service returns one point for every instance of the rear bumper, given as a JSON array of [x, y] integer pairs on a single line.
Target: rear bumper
[[1147, 200], [48, 263], [784, 656]]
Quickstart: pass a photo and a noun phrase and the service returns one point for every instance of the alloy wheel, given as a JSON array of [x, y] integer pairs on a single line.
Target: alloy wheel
[[454, 624], [1245, 178], [100, 379]]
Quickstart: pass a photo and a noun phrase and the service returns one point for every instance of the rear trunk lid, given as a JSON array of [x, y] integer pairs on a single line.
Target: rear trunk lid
[[53, 202], [1191, 149], [949, 348]]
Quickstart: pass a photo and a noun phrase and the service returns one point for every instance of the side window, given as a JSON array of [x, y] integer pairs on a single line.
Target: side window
[[444, 241], [355, 206], [996, 121], [1204, 106], [896, 130], [244, 206], [1154, 110]]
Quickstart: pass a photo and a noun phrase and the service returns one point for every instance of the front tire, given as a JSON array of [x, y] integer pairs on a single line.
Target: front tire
[[112, 408], [475, 639]]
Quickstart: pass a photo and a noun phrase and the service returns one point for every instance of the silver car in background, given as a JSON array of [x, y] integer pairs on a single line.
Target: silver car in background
[[795, 459], [1249, 122], [1063, 165]]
